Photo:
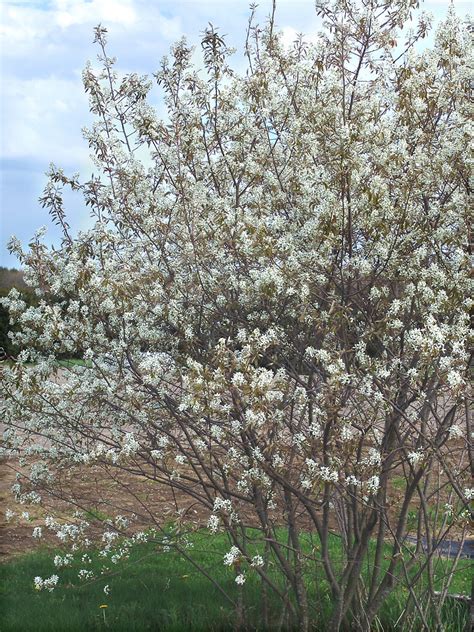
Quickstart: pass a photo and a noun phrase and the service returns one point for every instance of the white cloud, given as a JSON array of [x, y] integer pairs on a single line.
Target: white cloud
[[27, 29], [21, 24], [43, 119], [69, 12], [44, 50], [458, 4]]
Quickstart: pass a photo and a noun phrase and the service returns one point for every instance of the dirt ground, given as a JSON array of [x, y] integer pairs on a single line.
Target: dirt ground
[[105, 494], [15, 537], [91, 490]]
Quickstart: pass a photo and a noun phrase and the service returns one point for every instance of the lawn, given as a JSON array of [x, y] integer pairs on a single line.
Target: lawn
[[64, 363], [156, 590]]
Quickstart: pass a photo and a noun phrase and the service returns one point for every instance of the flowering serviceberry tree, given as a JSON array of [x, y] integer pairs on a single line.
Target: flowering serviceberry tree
[[273, 309]]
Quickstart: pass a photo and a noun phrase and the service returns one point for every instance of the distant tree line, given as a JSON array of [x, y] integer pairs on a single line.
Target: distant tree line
[[11, 278]]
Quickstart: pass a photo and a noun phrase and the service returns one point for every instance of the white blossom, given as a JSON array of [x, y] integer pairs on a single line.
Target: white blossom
[[9, 514], [48, 584], [257, 561], [373, 484], [232, 556], [415, 457]]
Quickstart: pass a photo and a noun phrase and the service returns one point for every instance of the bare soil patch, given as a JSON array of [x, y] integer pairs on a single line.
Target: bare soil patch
[[103, 497]]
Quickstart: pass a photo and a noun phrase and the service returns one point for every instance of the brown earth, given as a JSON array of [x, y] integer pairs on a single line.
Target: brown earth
[[125, 494], [106, 492]]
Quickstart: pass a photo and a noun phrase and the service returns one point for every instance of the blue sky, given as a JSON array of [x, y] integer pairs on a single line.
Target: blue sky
[[45, 44]]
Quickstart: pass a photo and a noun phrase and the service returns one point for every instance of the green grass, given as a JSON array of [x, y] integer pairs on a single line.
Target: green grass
[[435, 517], [66, 362], [153, 591], [399, 482], [157, 590]]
